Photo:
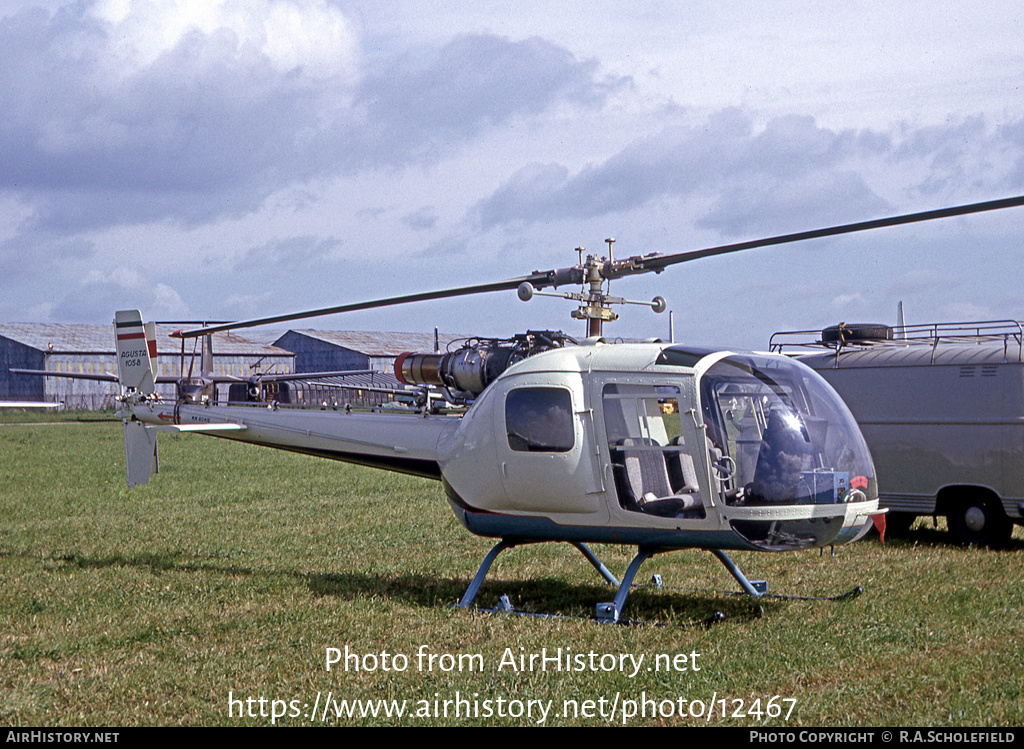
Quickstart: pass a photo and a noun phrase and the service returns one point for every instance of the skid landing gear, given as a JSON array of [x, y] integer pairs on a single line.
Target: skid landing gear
[[606, 612], [499, 547], [611, 612]]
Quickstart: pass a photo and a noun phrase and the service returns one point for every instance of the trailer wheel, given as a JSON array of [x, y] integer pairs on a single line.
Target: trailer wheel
[[980, 520]]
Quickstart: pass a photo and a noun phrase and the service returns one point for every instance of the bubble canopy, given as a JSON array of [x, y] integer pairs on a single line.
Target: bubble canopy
[[780, 436]]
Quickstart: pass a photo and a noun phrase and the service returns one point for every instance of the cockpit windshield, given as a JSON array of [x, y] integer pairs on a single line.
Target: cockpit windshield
[[779, 435]]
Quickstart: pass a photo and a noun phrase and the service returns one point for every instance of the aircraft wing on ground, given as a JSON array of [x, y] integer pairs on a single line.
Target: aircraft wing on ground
[[285, 377], [311, 375], [103, 377]]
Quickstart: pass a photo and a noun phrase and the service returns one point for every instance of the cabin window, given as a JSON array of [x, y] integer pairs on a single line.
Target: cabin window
[[539, 420], [653, 462]]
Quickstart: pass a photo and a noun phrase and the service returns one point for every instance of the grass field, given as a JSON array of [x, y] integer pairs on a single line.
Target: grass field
[[233, 572]]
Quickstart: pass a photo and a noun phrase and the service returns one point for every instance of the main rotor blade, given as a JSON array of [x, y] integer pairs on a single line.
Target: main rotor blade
[[371, 304], [613, 269], [657, 263]]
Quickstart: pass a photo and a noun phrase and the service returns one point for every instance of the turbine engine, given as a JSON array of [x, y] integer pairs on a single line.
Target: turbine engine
[[467, 371]]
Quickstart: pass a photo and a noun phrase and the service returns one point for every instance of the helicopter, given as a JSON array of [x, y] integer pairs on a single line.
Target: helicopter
[[654, 445]]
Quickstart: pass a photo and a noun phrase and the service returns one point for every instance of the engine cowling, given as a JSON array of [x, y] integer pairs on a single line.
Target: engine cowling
[[470, 369]]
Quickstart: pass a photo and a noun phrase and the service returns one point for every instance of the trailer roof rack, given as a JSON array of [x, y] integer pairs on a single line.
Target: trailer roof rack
[[862, 336]]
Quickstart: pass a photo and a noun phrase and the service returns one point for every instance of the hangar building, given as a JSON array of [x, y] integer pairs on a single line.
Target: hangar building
[[330, 350], [89, 350]]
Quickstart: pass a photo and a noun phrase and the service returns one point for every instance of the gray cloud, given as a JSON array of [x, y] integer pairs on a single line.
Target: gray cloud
[[128, 140], [209, 127], [791, 173], [296, 255], [203, 130], [804, 202], [422, 218], [99, 293], [39, 255], [421, 105]]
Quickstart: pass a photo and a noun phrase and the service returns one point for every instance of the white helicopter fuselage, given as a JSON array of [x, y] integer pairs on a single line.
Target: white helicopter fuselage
[[640, 444]]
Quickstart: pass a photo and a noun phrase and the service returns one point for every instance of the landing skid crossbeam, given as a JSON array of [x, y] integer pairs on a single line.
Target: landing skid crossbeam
[[612, 611], [609, 612], [756, 588], [485, 566]]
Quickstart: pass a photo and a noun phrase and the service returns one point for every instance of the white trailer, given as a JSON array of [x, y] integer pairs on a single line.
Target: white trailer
[[942, 409]]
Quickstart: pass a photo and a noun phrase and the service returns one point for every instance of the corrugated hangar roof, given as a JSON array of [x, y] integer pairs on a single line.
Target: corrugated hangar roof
[[380, 343], [223, 343], [61, 337], [80, 338]]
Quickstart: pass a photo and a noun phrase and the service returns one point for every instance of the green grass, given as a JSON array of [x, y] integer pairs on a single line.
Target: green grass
[[37, 415], [236, 569]]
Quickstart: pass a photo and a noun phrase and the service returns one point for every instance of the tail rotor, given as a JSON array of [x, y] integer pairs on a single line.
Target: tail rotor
[[136, 372]]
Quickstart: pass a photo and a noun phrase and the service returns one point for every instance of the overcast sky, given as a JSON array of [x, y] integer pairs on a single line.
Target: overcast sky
[[221, 159]]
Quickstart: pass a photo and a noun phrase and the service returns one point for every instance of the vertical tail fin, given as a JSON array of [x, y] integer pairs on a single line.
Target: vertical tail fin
[[136, 371], [140, 452], [151, 345], [206, 358], [136, 352]]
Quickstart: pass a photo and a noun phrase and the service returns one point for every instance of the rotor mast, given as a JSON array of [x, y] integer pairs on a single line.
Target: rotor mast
[[595, 301], [595, 309]]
